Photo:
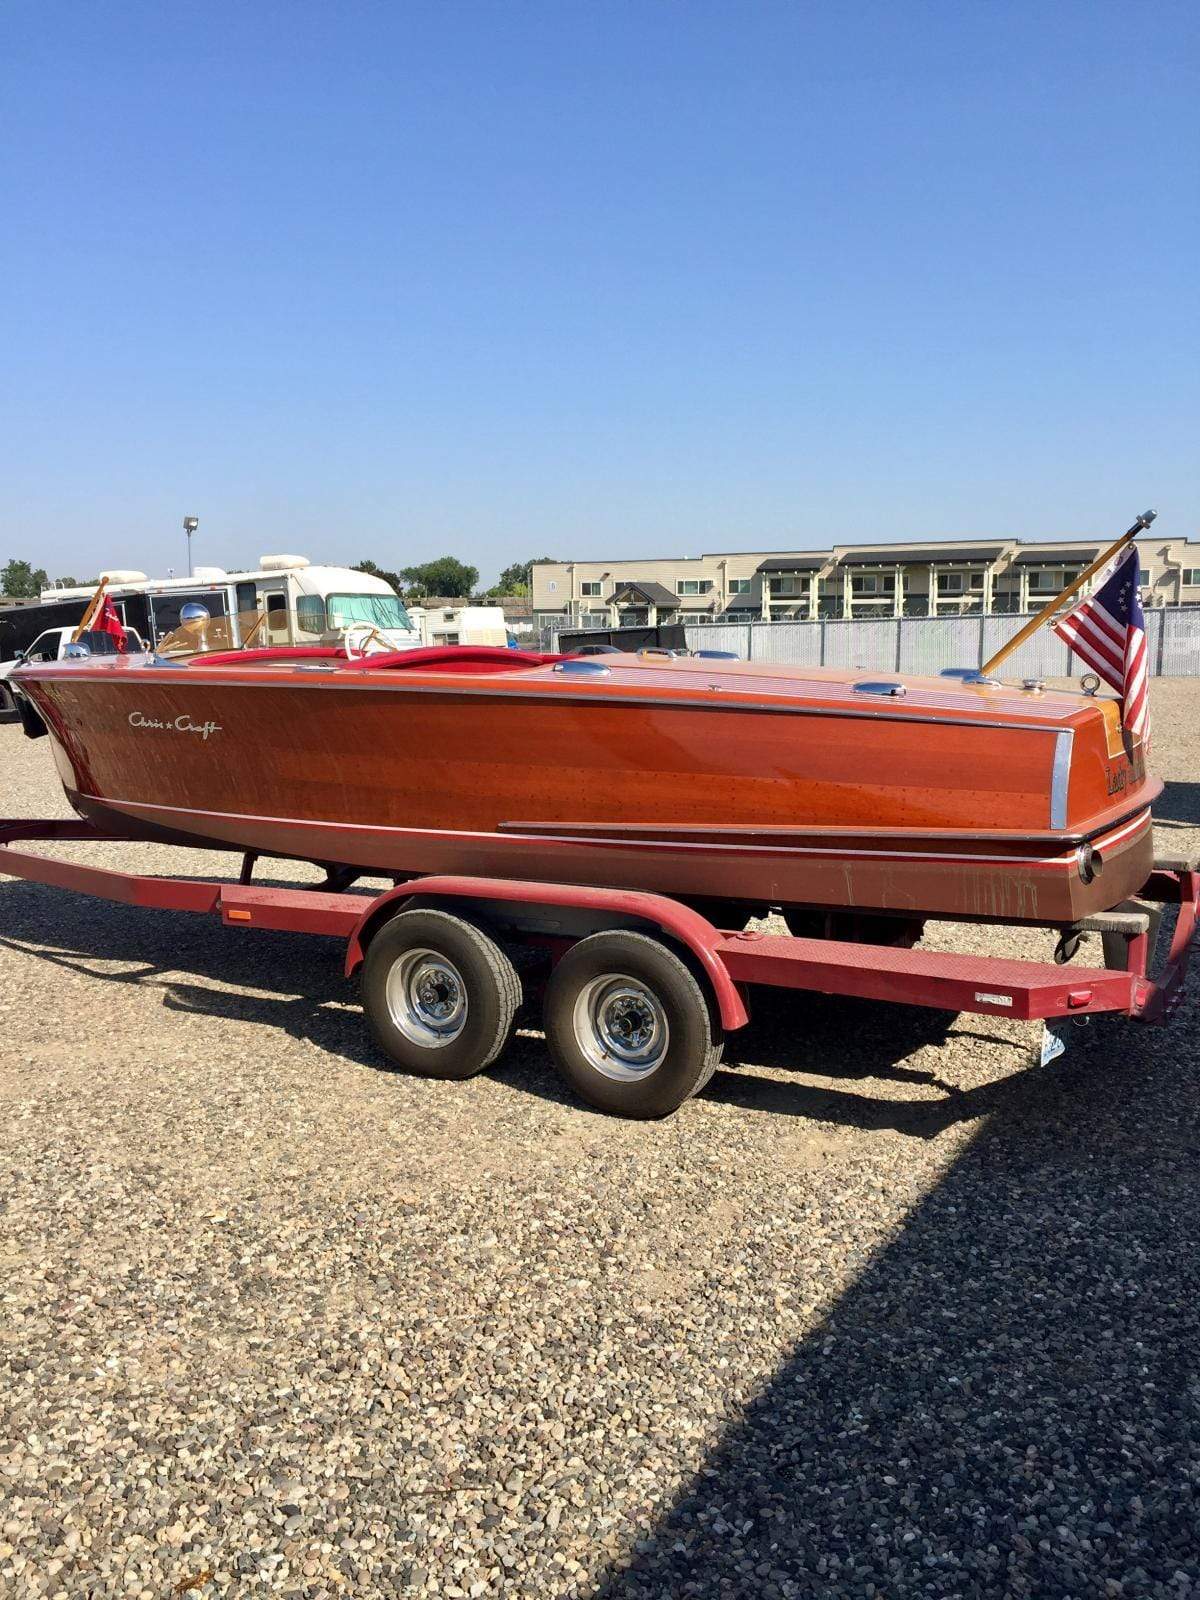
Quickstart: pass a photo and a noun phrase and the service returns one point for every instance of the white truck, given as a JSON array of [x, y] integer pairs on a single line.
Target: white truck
[[51, 645]]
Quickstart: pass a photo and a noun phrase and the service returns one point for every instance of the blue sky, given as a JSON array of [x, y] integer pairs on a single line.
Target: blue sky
[[507, 279]]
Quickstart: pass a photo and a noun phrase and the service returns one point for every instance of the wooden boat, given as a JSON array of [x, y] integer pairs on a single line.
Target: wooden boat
[[701, 778]]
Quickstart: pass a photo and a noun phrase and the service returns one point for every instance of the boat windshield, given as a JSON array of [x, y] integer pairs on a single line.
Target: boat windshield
[[378, 610]]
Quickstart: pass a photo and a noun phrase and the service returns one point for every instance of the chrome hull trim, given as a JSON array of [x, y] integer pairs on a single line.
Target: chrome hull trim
[[1060, 774]]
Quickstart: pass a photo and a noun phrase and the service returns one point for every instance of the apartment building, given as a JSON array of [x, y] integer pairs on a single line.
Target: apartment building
[[935, 578]]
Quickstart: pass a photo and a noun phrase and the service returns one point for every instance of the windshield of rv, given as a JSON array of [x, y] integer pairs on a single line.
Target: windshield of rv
[[379, 610]]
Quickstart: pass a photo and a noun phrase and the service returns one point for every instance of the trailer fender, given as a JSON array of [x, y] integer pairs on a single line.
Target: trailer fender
[[679, 922]]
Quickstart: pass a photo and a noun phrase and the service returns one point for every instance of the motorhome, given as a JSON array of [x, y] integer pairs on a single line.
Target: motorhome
[[285, 600]]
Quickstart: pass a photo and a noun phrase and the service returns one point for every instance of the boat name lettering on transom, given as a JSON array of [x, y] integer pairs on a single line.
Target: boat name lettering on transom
[[180, 724], [1117, 779]]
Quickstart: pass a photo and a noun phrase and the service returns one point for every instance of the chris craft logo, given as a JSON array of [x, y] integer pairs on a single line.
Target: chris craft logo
[[182, 724]]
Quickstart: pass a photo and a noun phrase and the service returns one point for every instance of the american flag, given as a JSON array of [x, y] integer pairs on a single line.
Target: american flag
[[1108, 632]]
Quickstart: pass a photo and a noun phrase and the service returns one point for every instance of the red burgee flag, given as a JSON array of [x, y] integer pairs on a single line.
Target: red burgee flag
[[1108, 632], [106, 620]]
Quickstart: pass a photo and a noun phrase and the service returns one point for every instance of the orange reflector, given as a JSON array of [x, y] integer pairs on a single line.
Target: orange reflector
[[237, 916]]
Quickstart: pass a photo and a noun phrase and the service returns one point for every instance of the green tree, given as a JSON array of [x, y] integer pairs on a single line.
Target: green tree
[[394, 578], [516, 580], [22, 580], [446, 576]]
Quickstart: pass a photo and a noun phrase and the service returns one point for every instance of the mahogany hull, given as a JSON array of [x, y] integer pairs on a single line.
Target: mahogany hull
[[697, 795]]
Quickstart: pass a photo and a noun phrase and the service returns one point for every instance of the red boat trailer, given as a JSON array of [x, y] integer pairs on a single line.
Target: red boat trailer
[[643, 987]]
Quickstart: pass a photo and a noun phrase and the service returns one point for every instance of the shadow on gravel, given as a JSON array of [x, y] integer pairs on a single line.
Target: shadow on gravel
[[810, 1033], [1180, 803], [296, 986], [1006, 1402]]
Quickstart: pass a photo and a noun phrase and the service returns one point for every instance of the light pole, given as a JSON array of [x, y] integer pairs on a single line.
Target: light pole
[[190, 524]]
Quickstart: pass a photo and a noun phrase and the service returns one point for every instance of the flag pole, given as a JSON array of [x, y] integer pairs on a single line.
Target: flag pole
[[90, 611], [1045, 615]]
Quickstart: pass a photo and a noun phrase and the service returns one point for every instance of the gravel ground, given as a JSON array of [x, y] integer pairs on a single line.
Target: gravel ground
[[886, 1312]]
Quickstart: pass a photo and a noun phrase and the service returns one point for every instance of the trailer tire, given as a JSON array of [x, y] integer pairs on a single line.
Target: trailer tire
[[628, 1025], [439, 995]]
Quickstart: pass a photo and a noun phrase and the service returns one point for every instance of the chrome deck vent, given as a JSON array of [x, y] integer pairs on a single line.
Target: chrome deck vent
[[967, 675], [872, 686], [588, 668]]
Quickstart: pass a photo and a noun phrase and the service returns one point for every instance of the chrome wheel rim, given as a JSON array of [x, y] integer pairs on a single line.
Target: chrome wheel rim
[[621, 1027], [426, 998]]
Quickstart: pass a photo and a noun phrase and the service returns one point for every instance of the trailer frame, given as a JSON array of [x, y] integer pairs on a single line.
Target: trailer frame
[[727, 964]]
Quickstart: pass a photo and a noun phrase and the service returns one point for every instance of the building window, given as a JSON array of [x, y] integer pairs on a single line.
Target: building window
[[1191, 577], [958, 582], [693, 585], [591, 591], [785, 584], [873, 583], [740, 585], [1049, 580]]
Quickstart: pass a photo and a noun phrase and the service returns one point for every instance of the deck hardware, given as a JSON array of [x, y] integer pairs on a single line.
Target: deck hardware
[[968, 675], [1089, 862], [586, 668], [871, 686], [1090, 683]]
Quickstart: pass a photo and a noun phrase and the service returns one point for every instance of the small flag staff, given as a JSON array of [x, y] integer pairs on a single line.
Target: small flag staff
[[90, 611], [1044, 616]]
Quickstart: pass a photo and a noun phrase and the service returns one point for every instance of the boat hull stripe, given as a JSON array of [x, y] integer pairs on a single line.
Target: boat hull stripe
[[1062, 861]]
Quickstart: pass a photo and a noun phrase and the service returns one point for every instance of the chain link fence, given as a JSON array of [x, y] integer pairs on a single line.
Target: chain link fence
[[927, 645]]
